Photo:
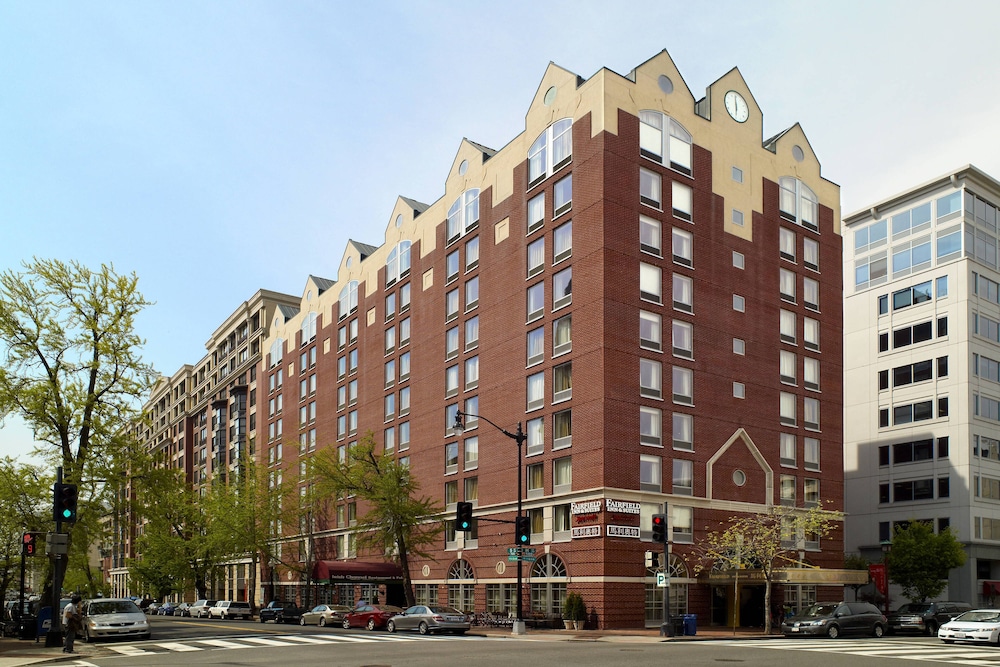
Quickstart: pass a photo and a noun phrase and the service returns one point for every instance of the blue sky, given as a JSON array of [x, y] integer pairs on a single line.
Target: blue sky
[[215, 148]]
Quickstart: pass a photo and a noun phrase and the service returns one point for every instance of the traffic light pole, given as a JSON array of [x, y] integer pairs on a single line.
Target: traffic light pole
[[520, 437], [54, 637]]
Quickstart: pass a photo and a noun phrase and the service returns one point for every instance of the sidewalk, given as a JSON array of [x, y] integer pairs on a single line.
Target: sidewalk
[[17, 653]]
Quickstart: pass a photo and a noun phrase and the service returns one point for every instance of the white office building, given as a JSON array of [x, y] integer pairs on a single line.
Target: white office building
[[922, 373]]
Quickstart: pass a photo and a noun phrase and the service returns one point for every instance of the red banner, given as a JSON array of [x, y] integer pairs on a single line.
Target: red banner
[[877, 572]]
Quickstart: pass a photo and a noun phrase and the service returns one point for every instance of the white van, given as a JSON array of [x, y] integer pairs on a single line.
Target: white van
[[226, 609]]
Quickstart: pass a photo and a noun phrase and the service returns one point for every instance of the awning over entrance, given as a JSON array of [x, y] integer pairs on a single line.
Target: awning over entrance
[[343, 570], [792, 575], [991, 588]]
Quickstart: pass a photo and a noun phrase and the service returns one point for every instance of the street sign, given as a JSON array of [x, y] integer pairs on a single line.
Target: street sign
[[661, 580], [520, 551]]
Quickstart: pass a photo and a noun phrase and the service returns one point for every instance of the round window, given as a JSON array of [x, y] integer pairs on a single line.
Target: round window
[[798, 153], [739, 477], [666, 85], [550, 96]]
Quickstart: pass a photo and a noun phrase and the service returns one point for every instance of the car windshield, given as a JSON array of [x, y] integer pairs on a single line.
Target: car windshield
[[112, 607], [914, 608], [979, 616], [820, 610]]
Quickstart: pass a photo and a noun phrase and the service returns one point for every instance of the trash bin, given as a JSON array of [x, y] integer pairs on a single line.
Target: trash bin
[[678, 625], [27, 627], [690, 624]]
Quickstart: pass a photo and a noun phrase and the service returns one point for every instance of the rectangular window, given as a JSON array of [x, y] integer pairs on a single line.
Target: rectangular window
[[562, 242], [650, 238], [787, 490], [683, 293], [681, 201], [451, 305], [535, 480], [536, 346], [786, 244], [787, 285], [683, 435], [471, 453], [562, 335], [404, 332], [451, 381], [536, 257], [683, 389], [562, 382], [649, 188], [650, 378], [562, 288], [683, 339], [536, 212], [562, 196], [471, 293], [810, 293], [650, 473], [787, 327], [562, 475], [536, 391], [650, 426], [451, 343], [787, 409], [683, 482], [451, 458], [650, 283], [810, 333], [472, 333], [562, 429], [811, 492], [471, 373], [471, 254], [787, 447], [535, 431], [810, 413], [810, 253], [451, 267], [650, 331], [683, 247], [536, 301], [810, 373], [787, 363]]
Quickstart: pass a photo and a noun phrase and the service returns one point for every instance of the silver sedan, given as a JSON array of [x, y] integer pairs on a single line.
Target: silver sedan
[[324, 615], [426, 619]]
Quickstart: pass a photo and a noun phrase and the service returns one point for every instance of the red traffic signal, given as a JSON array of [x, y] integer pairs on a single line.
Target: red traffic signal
[[29, 544], [660, 528]]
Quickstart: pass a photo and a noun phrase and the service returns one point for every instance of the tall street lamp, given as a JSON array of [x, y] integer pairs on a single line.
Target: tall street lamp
[[519, 436]]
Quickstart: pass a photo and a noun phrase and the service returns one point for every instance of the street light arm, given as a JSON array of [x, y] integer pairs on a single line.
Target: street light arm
[[519, 436]]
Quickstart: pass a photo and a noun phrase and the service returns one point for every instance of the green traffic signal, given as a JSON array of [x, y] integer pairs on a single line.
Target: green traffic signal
[[65, 497]]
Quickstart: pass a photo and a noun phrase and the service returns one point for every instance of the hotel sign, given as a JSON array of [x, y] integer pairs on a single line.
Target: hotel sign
[[586, 531], [589, 511], [622, 506], [623, 531]]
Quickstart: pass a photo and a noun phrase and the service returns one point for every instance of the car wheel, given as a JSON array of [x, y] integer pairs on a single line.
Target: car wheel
[[878, 631], [423, 629], [932, 629], [322, 621], [371, 623], [390, 626], [346, 624], [86, 635], [833, 631], [262, 620], [302, 621]]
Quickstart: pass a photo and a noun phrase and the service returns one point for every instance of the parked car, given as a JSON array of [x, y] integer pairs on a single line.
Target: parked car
[[280, 611], [833, 619], [324, 615], [371, 616], [152, 608], [113, 617], [183, 609], [228, 609], [977, 625], [166, 609], [10, 619], [925, 617], [428, 619], [200, 608]]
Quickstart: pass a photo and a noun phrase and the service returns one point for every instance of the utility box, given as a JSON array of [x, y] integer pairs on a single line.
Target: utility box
[[56, 543]]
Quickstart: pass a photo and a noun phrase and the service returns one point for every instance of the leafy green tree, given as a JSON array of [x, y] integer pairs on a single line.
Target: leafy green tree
[[24, 491], [397, 520], [765, 541], [856, 562], [919, 561], [246, 511], [72, 368]]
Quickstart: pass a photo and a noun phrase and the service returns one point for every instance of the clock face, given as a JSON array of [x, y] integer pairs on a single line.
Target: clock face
[[737, 106]]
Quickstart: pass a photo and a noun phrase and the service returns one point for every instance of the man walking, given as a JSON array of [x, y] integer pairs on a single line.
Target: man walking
[[71, 622]]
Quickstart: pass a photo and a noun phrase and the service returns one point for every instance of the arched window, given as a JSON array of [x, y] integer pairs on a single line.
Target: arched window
[[398, 264], [277, 347], [462, 595], [548, 585], [349, 299], [680, 579], [463, 216], [664, 140], [552, 150], [798, 203], [308, 327]]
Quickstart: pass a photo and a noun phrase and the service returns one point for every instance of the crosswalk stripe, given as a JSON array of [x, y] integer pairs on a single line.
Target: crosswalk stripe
[[264, 641], [129, 650], [959, 655], [221, 643], [308, 639], [175, 646]]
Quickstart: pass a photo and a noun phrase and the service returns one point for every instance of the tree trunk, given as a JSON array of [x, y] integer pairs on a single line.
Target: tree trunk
[[404, 565]]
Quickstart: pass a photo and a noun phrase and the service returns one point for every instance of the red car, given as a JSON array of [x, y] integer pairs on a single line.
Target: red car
[[370, 616]]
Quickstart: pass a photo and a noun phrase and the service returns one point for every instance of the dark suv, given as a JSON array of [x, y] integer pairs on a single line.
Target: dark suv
[[925, 617], [833, 619], [280, 612]]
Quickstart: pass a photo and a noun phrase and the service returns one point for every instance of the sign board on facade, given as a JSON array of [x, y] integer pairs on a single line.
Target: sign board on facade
[[586, 507], [586, 531], [623, 531], [622, 506]]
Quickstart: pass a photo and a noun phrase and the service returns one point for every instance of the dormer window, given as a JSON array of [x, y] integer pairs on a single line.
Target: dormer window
[[398, 264], [662, 139], [552, 150], [798, 203], [348, 299], [463, 216]]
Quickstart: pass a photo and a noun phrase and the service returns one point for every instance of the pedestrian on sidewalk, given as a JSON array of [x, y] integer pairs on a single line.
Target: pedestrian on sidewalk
[[71, 620]]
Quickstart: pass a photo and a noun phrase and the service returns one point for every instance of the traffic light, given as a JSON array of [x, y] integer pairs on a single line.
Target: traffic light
[[65, 498], [522, 531], [660, 528], [463, 517], [29, 544]]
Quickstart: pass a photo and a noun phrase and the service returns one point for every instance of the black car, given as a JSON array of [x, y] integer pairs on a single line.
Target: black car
[[833, 619], [925, 617], [281, 612]]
